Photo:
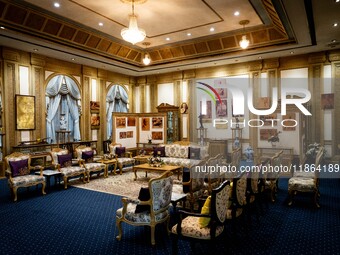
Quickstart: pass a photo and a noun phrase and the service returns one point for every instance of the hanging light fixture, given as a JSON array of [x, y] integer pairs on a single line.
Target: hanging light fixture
[[244, 43], [133, 34], [146, 59]]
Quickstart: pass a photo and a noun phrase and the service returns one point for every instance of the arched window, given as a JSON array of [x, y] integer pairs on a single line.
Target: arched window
[[116, 101], [63, 107]]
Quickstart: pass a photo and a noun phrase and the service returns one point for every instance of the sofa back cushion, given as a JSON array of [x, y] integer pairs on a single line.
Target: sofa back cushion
[[159, 151], [194, 153], [176, 151]]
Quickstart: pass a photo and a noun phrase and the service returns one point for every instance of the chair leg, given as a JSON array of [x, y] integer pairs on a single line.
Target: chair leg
[[174, 244], [290, 197], [316, 196], [120, 231], [15, 196], [43, 188], [153, 242], [65, 182]]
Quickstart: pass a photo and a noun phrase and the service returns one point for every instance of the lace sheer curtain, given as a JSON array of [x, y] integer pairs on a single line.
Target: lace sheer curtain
[[62, 99], [116, 101]]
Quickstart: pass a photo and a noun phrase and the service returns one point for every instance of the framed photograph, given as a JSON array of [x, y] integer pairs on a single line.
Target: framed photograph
[[24, 112], [327, 101], [94, 106], [145, 124], [95, 121], [221, 108], [131, 121], [129, 134], [157, 122], [122, 135], [206, 108], [289, 117], [263, 103], [120, 122], [222, 92], [157, 135], [265, 134], [269, 120]]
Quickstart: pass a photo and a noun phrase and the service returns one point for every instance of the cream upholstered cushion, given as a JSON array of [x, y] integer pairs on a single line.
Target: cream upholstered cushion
[[191, 228], [143, 217], [72, 171], [301, 184], [24, 180]]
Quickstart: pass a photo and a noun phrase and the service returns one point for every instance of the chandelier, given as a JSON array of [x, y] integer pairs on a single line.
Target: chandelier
[[244, 43], [133, 34]]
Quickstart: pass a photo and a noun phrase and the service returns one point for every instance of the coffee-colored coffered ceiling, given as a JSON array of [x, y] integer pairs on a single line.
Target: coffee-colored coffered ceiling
[[274, 25]]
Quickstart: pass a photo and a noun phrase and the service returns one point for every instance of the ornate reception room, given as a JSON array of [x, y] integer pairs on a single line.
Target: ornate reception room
[[211, 123]]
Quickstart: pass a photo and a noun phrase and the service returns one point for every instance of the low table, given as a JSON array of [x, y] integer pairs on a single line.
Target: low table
[[142, 158], [163, 168], [48, 174], [107, 163]]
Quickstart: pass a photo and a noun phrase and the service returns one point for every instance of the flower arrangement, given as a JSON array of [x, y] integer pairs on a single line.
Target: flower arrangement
[[155, 161]]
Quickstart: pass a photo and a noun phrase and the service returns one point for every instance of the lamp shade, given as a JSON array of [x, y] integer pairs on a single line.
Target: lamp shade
[[133, 34]]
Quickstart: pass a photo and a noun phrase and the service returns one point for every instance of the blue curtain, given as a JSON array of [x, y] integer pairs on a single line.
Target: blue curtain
[[116, 101], [62, 90]]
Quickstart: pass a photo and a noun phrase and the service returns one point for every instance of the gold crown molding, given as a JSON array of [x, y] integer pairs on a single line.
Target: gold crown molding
[[134, 1]]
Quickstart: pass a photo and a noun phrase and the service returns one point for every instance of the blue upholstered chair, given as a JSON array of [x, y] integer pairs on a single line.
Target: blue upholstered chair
[[158, 211], [18, 167]]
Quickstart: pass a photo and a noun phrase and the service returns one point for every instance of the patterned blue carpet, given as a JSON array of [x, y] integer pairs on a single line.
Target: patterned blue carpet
[[78, 221]]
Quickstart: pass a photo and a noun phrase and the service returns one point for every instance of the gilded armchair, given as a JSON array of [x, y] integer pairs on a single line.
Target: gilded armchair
[[122, 156], [271, 177], [62, 160], [18, 167], [85, 155], [160, 189]]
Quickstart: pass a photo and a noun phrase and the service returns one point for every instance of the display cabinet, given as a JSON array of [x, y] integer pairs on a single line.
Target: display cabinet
[[172, 113]]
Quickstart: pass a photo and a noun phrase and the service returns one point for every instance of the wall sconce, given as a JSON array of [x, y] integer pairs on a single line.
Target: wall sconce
[[146, 60]]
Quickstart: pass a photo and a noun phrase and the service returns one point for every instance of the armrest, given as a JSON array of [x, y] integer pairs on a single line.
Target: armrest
[[128, 154], [41, 168]]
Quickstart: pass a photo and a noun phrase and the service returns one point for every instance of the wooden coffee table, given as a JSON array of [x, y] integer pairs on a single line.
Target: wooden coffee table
[[107, 163], [163, 168]]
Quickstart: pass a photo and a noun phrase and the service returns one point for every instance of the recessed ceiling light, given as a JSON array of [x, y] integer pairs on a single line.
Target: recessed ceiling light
[[334, 39], [188, 34], [168, 38], [335, 24], [2, 27], [337, 1], [101, 24], [260, 57], [73, 59], [292, 52], [56, 4], [212, 29], [236, 13], [35, 50]]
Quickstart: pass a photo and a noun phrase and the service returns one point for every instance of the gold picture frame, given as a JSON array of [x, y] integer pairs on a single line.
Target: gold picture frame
[[24, 112]]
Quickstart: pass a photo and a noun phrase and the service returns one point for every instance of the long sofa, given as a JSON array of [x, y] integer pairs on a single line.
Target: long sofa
[[183, 154]]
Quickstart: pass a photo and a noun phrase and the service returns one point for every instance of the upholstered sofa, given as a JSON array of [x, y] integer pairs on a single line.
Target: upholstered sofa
[[183, 154]]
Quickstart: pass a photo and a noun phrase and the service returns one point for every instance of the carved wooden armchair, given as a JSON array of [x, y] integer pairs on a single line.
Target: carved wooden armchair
[[307, 182], [62, 160], [18, 167], [86, 155], [207, 225], [122, 156], [160, 190]]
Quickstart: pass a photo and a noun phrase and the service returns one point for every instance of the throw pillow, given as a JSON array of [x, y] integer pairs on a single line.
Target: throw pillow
[[194, 153], [203, 221], [19, 167], [186, 178], [159, 151], [120, 151], [65, 160], [87, 156], [144, 195]]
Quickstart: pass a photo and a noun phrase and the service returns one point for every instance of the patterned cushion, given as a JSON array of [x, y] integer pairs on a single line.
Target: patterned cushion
[[126, 161], [302, 184], [182, 152], [170, 150], [65, 160], [194, 153], [94, 167], [87, 156], [19, 167], [161, 190], [144, 195], [204, 221], [159, 151], [72, 171], [55, 155], [191, 228], [26, 180], [185, 162], [120, 151], [143, 217], [238, 213]]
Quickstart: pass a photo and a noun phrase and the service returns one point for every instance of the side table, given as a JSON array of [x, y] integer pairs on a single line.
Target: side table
[[48, 174], [107, 163]]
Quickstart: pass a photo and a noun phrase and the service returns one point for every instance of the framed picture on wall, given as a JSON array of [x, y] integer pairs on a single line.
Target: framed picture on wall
[[327, 101], [157, 135], [221, 108], [145, 124], [269, 120], [122, 135], [265, 134], [157, 122], [263, 103], [289, 122], [120, 122], [129, 134], [94, 106], [95, 121], [24, 112], [131, 121]]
